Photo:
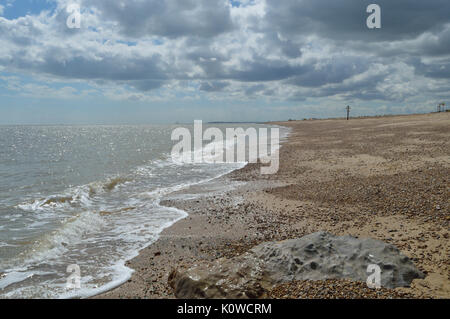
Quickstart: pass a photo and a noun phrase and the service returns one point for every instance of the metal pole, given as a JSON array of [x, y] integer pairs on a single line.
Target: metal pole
[[348, 112]]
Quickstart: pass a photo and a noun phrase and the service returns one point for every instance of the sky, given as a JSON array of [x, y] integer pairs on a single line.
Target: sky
[[166, 61]]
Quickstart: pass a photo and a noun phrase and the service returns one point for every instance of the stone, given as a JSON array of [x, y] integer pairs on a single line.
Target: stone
[[318, 256]]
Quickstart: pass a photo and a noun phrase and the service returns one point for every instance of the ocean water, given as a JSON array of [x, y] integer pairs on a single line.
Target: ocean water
[[85, 195]]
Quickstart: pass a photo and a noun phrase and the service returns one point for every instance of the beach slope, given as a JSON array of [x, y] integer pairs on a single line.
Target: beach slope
[[386, 178]]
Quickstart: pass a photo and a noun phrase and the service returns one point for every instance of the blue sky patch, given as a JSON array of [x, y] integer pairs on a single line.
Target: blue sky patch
[[14, 9]]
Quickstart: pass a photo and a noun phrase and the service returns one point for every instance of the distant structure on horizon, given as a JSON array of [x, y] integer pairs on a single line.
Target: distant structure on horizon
[[348, 112]]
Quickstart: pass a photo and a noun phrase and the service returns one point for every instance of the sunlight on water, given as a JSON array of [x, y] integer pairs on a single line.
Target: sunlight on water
[[85, 195]]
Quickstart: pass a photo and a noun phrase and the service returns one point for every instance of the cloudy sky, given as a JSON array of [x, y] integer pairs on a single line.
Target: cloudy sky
[[157, 61]]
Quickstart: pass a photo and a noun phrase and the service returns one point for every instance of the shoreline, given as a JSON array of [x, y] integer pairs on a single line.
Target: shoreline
[[218, 182], [329, 170]]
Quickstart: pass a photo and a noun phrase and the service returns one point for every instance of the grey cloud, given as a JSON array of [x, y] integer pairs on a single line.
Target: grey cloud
[[297, 97], [438, 69], [364, 88], [109, 68], [438, 45], [169, 18], [146, 85], [287, 47], [143, 73], [346, 20], [261, 69], [210, 62], [335, 71], [255, 89], [214, 86]]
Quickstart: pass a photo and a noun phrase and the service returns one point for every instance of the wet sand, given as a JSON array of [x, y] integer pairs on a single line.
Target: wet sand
[[386, 178]]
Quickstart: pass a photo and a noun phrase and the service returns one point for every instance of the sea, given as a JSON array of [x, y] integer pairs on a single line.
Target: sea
[[87, 196]]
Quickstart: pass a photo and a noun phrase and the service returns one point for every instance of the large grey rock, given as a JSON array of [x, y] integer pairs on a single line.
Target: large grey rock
[[322, 256], [317, 256], [241, 277]]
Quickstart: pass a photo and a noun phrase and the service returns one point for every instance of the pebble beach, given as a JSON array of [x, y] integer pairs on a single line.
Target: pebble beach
[[386, 178]]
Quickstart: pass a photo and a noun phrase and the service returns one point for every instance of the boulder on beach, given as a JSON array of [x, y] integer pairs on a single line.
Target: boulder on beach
[[318, 256]]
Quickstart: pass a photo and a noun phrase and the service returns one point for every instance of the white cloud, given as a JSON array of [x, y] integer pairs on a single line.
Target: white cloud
[[148, 50]]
